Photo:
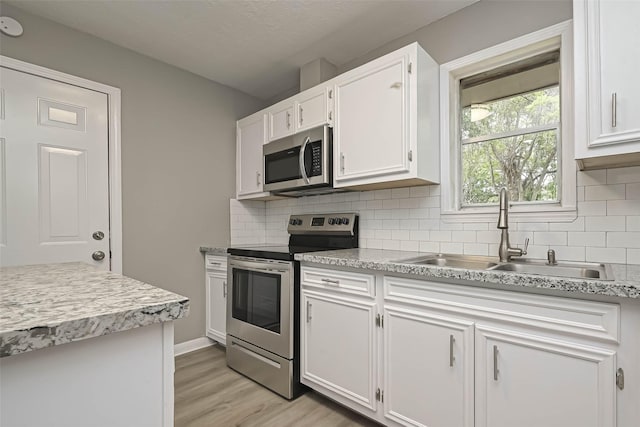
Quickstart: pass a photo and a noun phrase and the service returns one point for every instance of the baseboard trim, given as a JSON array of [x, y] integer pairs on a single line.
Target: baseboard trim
[[192, 345]]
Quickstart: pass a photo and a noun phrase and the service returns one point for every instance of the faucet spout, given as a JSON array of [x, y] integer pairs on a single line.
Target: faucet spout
[[503, 217], [505, 251]]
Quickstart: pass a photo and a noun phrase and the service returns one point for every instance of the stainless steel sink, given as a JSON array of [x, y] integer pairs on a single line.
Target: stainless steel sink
[[454, 261], [581, 270]]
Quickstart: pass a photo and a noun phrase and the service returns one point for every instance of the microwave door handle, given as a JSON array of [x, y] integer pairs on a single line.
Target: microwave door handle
[[303, 171]]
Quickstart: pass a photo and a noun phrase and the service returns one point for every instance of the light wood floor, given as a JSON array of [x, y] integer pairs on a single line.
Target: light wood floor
[[208, 393]]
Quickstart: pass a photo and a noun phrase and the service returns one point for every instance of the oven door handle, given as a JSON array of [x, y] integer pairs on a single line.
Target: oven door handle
[[303, 170], [258, 268]]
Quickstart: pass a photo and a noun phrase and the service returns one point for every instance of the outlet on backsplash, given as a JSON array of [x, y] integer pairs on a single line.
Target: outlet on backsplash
[[607, 228]]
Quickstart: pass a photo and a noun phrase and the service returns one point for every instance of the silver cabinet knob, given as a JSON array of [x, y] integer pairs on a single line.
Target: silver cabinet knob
[[98, 235], [98, 255]]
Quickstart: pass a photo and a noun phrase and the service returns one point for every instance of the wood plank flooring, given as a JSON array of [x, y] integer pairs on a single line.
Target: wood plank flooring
[[208, 393]]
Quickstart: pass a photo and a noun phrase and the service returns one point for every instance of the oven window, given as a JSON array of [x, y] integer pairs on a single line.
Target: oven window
[[256, 298]]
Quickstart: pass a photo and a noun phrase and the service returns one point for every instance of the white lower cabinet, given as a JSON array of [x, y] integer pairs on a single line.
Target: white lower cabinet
[[216, 298], [338, 346], [524, 380], [422, 353]]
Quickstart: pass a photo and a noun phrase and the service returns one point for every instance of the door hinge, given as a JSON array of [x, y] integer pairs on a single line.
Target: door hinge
[[620, 378], [409, 67], [411, 155], [379, 321], [110, 256], [379, 395]]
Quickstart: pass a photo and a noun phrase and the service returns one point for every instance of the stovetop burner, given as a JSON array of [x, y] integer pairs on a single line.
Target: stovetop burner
[[308, 233]]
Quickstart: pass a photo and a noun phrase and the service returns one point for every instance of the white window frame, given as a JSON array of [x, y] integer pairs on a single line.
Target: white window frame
[[559, 36]]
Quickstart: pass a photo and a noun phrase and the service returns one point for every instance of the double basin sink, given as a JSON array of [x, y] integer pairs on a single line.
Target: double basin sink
[[578, 270]]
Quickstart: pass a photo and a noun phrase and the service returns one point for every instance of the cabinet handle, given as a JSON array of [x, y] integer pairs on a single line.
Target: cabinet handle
[[308, 312], [332, 281], [495, 363], [451, 358], [396, 85], [342, 163], [301, 118], [224, 289], [288, 120], [330, 115], [330, 94], [614, 109], [257, 178]]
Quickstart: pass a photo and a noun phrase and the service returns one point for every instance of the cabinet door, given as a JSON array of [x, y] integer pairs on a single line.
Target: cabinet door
[[608, 56], [523, 380], [428, 368], [371, 135], [281, 121], [311, 109], [249, 163], [338, 347], [217, 306]]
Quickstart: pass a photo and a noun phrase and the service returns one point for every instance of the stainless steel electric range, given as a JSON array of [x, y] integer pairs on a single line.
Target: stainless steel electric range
[[263, 309]]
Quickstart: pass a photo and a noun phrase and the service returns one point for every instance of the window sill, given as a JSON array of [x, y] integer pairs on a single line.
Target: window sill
[[516, 214]]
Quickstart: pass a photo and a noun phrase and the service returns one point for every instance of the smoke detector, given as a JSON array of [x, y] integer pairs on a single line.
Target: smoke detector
[[10, 26]]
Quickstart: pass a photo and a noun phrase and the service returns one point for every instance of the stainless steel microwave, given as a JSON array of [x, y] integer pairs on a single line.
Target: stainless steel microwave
[[299, 162]]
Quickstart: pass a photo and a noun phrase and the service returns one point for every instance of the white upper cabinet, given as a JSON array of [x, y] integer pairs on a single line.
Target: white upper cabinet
[[607, 94], [306, 110], [281, 120], [250, 136], [386, 122]]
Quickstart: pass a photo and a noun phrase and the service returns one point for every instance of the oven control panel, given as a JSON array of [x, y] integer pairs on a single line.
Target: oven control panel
[[322, 223]]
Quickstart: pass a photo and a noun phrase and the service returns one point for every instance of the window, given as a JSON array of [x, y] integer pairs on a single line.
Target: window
[[504, 108]]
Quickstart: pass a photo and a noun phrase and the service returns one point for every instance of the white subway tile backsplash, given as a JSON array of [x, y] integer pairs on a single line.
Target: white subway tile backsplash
[[605, 192], [607, 228], [550, 238], [633, 223], [431, 247], [594, 177], [588, 238], [633, 191], [576, 225], [592, 208], [633, 256], [570, 253], [623, 207], [615, 255], [463, 236], [476, 249], [623, 175], [628, 239], [605, 223]]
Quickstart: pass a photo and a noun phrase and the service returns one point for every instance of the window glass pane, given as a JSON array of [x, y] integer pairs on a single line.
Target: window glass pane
[[525, 164], [522, 111]]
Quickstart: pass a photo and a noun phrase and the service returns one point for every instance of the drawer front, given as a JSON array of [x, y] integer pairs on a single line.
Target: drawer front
[[580, 318], [338, 281], [215, 262]]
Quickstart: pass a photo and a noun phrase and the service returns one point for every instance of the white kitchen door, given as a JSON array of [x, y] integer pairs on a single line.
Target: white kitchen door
[[54, 172]]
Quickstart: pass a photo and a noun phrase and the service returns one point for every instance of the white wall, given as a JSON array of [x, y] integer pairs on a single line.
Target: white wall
[[178, 153]]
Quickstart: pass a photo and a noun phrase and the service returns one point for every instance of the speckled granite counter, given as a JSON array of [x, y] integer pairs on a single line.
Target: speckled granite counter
[[626, 283], [214, 250], [51, 304]]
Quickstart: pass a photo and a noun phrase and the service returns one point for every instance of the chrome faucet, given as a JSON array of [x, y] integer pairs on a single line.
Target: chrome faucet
[[505, 252]]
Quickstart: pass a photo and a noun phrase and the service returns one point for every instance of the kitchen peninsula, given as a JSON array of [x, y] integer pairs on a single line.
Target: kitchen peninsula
[[89, 346]]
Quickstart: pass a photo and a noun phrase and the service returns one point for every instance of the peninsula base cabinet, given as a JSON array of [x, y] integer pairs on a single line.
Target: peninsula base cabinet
[[423, 353], [216, 297]]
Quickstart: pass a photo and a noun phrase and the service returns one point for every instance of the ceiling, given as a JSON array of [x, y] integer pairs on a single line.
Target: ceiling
[[255, 46]]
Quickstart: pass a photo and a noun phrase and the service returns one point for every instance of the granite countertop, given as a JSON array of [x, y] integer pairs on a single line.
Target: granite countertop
[[52, 304], [214, 250], [626, 281]]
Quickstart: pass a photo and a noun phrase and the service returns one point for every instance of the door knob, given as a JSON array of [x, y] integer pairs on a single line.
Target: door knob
[[98, 235], [98, 255]]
